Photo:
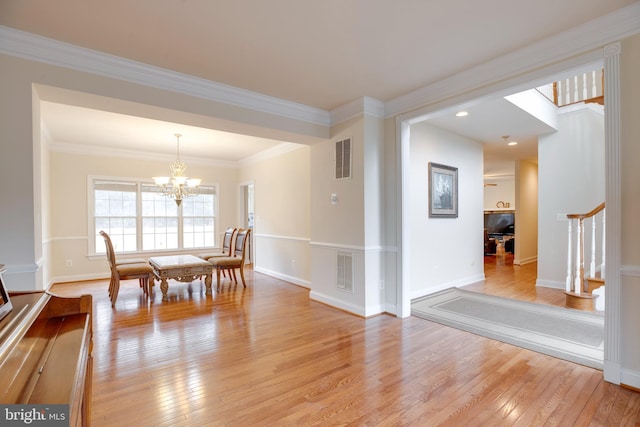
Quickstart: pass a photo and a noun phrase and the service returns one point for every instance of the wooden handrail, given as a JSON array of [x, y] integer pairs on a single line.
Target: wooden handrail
[[594, 212]]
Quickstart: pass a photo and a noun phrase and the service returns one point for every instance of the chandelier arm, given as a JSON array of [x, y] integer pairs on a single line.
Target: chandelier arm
[[179, 186]]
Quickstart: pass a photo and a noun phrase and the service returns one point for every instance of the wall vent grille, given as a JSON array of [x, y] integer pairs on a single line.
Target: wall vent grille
[[343, 159], [345, 271]]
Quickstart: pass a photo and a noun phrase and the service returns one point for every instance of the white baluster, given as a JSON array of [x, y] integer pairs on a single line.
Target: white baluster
[[559, 89], [567, 95], [594, 87], [568, 281], [584, 87], [592, 264], [602, 266], [575, 89], [577, 282]]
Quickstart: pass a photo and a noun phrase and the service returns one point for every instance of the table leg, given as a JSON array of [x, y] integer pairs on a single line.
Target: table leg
[[164, 287], [207, 282]]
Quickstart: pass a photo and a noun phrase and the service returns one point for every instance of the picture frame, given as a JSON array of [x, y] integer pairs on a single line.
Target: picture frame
[[443, 191]]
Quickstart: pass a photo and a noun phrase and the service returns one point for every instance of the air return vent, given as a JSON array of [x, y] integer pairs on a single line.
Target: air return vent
[[343, 159], [345, 271]]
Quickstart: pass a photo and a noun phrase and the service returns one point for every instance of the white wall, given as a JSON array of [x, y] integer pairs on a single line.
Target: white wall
[[69, 221], [501, 196], [571, 180], [282, 191], [630, 226], [445, 252], [355, 224], [22, 248], [526, 226]]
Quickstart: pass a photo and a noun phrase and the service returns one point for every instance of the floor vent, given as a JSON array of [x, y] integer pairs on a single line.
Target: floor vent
[[345, 271]]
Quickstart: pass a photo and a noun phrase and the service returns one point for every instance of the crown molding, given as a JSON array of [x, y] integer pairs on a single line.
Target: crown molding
[[364, 105], [42, 49], [572, 43], [97, 151], [276, 151]]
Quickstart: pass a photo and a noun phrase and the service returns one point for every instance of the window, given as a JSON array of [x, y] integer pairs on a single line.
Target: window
[[139, 218], [115, 213]]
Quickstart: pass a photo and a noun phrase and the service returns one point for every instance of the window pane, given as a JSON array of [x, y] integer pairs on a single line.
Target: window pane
[[198, 218], [115, 213]]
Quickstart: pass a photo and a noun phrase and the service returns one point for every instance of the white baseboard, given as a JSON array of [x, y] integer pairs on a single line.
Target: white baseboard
[[550, 284], [630, 378], [77, 278], [455, 284], [342, 305], [524, 261], [295, 280]]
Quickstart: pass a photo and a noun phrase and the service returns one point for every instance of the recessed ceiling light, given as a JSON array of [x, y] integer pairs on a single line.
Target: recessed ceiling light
[[462, 114], [506, 137]]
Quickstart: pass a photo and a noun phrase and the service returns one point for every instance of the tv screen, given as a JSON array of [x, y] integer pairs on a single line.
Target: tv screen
[[499, 222]]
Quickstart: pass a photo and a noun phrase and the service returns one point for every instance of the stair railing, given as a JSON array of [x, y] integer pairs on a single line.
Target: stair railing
[[575, 256]]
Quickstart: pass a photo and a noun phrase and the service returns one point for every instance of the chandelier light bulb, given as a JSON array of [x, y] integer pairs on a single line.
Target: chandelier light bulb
[[177, 186]]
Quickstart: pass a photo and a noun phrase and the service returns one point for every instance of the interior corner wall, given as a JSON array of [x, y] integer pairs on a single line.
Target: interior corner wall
[[338, 227], [526, 225], [571, 179], [445, 252], [391, 202], [17, 251], [45, 171], [282, 191], [374, 215], [630, 226]]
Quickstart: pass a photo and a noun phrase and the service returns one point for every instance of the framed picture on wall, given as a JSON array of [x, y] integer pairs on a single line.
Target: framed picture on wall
[[443, 191]]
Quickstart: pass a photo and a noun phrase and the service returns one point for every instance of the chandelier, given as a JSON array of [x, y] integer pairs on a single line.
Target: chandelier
[[177, 186]]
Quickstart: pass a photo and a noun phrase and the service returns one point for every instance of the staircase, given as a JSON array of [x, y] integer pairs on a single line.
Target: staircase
[[581, 292]]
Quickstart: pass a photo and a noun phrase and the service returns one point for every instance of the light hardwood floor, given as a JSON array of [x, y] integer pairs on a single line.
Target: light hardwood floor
[[268, 356]]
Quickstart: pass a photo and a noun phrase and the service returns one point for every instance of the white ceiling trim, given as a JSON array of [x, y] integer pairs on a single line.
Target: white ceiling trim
[[98, 151], [42, 49], [573, 42], [590, 36], [365, 105], [270, 153]]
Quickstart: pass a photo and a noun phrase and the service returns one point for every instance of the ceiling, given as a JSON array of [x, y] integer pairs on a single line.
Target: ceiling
[[321, 54]]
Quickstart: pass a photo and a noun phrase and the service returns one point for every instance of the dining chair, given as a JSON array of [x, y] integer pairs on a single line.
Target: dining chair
[[235, 262], [126, 270], [227, 241]]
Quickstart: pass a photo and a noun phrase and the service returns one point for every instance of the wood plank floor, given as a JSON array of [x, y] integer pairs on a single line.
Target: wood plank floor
[[268, 356], [504, 279]]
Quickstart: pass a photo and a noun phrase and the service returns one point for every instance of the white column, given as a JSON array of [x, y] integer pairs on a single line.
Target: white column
[[612, 360], [592, 261], [604, 244], [568, 284], [577, 279]]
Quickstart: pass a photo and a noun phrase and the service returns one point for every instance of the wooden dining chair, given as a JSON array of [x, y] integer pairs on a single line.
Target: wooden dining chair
[[235, 262], [227, 241], [127, 270]]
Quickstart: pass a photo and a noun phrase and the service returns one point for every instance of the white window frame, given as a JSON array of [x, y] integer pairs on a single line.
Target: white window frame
[[92, 235]]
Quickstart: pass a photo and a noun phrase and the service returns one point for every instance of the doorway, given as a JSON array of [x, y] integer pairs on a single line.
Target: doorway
[[247, 212]]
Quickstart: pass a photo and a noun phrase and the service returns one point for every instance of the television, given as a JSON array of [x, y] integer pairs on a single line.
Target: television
[[499, 223]]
